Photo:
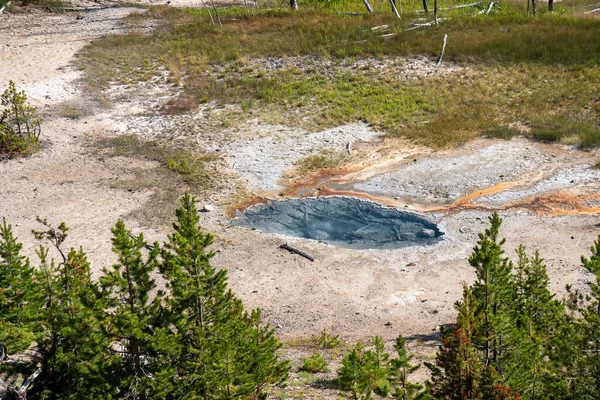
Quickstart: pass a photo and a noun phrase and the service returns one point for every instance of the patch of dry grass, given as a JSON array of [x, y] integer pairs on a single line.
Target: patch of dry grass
[[324, 160], [72, 110], [176, 170]]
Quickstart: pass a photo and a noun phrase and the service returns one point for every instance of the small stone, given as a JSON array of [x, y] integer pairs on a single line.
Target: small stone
[[388, 323], [428, 233], [207, 208]]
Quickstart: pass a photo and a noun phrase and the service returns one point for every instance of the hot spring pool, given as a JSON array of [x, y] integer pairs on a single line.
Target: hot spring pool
[[342, 221]]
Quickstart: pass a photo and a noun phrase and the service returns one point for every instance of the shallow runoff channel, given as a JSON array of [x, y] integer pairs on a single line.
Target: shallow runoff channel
[[342, 221]]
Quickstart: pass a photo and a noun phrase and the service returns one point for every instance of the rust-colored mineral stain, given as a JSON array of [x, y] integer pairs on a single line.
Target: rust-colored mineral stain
[[560, 203], [551, 204], [500, 187], [315, 180], [247, 202]]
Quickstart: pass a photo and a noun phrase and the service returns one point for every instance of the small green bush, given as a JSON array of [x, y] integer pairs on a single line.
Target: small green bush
[[314, 363], [19, 123], [502, 132], [326, 340]]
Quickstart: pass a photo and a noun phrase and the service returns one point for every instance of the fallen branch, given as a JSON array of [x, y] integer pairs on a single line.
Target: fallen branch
[[417, 26], [592, 11], [489, 8], [287, 247], [380, 28], [452, 8], [439, 61]]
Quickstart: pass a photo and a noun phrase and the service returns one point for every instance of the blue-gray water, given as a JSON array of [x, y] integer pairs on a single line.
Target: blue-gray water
[[341, 221]]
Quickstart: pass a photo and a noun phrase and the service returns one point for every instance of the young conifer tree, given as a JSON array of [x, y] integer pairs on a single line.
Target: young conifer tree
[[134, 314], [494, 291], [537, 335], [17, 293], [585, 350], [459, 371], [220, 351], [401, 368], [365, 372], [71, 341]]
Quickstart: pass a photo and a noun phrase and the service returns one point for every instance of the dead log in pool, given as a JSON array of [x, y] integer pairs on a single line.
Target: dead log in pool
[[287, 247]]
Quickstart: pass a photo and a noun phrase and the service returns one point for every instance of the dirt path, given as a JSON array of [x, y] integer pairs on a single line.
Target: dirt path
[[61, 182]]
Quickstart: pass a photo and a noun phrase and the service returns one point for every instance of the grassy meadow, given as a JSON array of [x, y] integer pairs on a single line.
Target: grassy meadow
[[325, 65]]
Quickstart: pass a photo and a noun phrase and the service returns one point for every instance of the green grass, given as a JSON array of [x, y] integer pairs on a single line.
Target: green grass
[[540, 72]]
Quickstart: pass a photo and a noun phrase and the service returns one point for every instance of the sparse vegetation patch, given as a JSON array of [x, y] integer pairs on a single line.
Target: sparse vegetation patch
[[178, 169]]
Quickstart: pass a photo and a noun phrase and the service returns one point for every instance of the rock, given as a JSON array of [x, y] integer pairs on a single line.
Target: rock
[[207, 208], [429, 233], [407, 236], [318, 235]]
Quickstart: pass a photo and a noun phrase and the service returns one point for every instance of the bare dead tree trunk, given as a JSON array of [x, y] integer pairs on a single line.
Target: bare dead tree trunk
[[394, 9], [294, 4], [439, 61], [368, 6], [435, 11], [216, 13], [550, 5], [533, 7], [425, 8], [209, 13]]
